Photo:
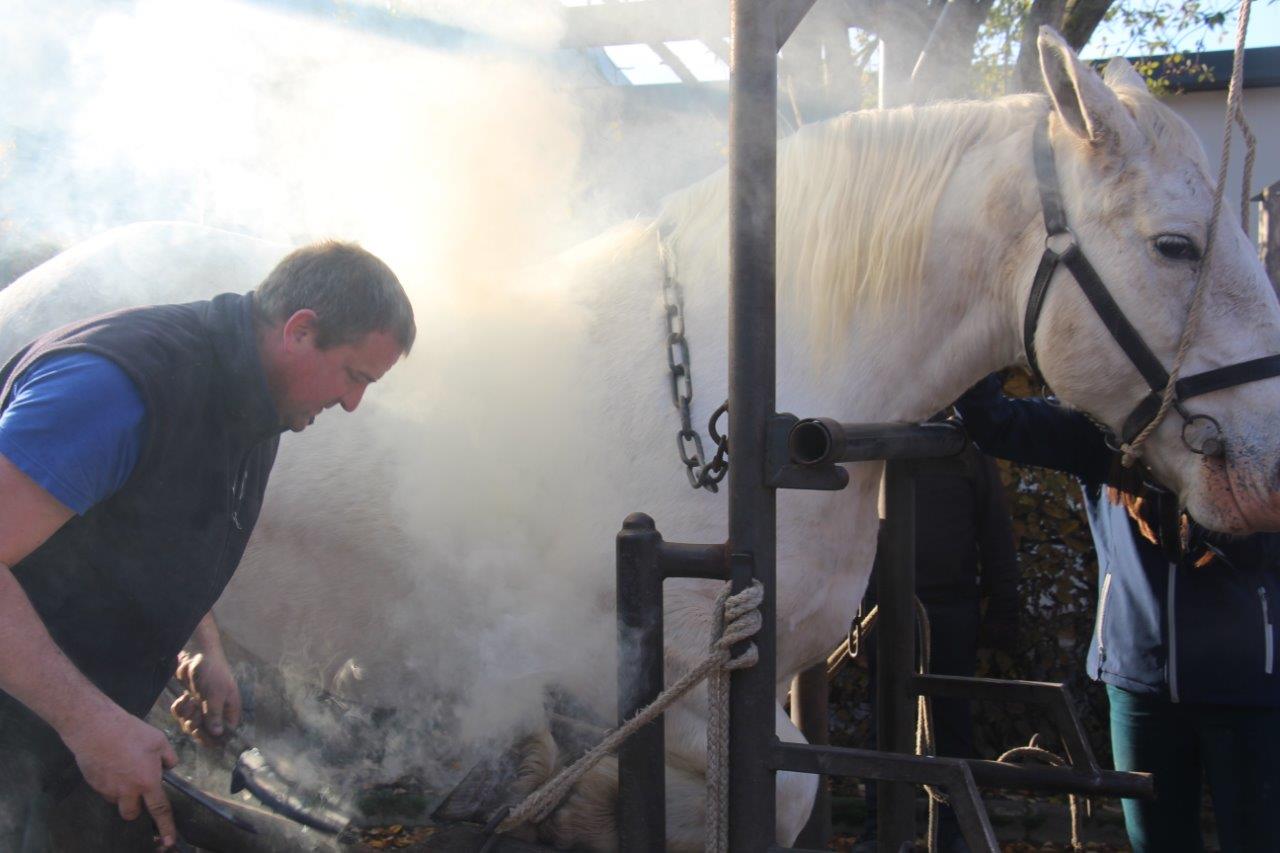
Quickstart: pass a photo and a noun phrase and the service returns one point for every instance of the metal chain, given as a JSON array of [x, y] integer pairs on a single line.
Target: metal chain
[[703, 474]]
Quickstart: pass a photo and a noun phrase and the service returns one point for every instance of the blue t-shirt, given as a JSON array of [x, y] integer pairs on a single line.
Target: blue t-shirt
[[75, 425]]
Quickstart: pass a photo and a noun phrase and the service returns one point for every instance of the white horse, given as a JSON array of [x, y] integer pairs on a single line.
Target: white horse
[[908, 240]]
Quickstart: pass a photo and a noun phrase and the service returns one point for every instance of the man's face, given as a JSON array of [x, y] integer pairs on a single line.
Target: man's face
[[312, 379]]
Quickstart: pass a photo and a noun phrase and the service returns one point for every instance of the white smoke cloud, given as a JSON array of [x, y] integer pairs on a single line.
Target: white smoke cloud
[[461, 167]]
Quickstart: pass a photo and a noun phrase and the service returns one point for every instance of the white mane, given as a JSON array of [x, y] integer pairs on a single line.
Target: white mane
[[856, 198]]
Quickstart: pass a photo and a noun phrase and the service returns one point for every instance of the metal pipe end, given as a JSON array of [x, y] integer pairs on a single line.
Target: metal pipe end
[[813, 441], [638, 521]]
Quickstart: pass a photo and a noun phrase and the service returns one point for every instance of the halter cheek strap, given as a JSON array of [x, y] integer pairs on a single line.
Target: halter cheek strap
[[1061, 248]]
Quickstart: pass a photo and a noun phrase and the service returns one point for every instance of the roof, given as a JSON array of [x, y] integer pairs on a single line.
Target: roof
[[1261, 69]]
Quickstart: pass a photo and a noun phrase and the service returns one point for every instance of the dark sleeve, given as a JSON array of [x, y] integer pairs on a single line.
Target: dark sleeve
[[1034, 432], [996, 551]]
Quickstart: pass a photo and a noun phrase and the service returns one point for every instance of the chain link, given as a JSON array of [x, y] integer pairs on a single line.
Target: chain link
[[702, 474]]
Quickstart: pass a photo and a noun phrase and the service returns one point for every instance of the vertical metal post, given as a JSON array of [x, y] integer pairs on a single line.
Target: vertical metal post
[[752, 379], [810, 694], [895, 652], [642, 798], [1269, 231]]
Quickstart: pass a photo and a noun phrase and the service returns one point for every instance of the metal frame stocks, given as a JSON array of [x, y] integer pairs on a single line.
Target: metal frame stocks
[[773, 451]]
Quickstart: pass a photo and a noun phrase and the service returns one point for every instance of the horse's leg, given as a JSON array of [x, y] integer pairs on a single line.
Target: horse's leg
[[795, 791]]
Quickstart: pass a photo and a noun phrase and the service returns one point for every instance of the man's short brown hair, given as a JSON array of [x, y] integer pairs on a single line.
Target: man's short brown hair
[[351, 291]]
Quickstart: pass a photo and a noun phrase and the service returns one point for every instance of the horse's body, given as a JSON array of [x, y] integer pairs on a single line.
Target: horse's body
[[469, 544]]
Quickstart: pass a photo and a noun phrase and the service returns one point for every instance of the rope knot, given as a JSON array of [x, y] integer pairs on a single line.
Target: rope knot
[[737, 618]]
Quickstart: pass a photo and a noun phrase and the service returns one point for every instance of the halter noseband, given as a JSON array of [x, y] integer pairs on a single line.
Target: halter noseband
[[1061, 247]]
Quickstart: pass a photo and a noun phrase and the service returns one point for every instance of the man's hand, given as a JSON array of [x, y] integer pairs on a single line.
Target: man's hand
[[122, 758], [211, 699]]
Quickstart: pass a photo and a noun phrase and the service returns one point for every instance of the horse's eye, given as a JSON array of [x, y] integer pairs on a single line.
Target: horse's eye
[[1176, 247]]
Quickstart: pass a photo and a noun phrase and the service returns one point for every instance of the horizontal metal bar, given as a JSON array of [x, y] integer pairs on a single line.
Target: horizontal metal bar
[[985, 689], [872, 764], [951, 774], [823, 441], [679, 560], [921, 770], [1062, 780], [1056, 698]]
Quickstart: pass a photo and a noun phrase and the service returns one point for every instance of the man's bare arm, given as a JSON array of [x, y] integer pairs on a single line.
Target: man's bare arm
[[120, 756], [32, 667], [207, 639]]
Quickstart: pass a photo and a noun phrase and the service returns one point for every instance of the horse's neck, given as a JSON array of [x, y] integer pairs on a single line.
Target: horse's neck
[[907, 361]]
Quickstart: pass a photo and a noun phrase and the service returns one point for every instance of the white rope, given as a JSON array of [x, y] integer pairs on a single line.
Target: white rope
[[1235, 114], [1039, 753], [737, 618]]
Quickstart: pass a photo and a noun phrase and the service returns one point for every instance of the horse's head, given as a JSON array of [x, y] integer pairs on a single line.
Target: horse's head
[[1138, 196]]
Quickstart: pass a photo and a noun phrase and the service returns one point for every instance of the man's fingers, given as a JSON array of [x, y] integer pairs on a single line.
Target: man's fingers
[[168, 757], [183, 706], [213, 718], [183, 672], [162, 813], [189, 673], [129, 807], [232, 716]]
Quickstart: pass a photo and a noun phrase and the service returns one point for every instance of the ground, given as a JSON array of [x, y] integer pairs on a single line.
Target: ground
[[1022, 824]]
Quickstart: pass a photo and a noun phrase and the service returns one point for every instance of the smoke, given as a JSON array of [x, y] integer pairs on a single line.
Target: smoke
[[449, 522], [289, 126]]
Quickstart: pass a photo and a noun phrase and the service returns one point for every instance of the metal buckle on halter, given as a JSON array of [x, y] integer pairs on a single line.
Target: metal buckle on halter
[[1206, 438], [1066, 238]]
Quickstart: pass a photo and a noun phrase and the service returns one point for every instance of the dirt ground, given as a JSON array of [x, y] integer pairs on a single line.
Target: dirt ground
[[1022, 824]]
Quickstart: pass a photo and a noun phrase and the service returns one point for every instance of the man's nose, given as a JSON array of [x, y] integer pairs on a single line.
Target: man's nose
[[352, 398]]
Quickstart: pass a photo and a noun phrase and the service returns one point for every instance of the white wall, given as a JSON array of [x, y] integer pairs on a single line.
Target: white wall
[[1205, 111]]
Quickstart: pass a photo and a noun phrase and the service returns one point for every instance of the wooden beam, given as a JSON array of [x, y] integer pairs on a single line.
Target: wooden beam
[[673, 62], [653, 21], [649, 22]]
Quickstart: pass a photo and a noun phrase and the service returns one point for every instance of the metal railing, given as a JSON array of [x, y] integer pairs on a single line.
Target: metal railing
[[771, 451]]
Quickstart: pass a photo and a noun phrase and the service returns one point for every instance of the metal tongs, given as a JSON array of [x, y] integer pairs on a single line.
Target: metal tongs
[[255, 774], [182, 786]]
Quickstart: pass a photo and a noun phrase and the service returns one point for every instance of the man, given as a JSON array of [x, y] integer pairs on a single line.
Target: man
[[134, 453]]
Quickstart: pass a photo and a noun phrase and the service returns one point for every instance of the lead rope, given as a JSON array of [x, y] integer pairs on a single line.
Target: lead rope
[[737, 619], [1235, 113]]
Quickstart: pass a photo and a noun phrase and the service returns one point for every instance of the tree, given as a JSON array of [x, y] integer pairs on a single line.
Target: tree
[[934, 49]]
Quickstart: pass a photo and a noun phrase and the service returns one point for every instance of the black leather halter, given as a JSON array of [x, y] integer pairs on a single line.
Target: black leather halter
[[1061, 247]]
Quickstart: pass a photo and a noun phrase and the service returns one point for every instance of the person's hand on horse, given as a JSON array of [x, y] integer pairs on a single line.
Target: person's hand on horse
[[210, 703], [122, 758]]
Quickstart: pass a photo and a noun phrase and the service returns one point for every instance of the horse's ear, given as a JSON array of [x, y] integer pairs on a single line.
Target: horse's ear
[[1085, 104], [1119, 74]]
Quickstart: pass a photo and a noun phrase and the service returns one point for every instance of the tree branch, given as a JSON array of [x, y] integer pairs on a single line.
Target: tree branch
[[1026, 77], [1082, 18], [945, 68]]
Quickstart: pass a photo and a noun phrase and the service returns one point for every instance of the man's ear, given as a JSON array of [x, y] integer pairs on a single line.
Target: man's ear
[[300, 327]]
